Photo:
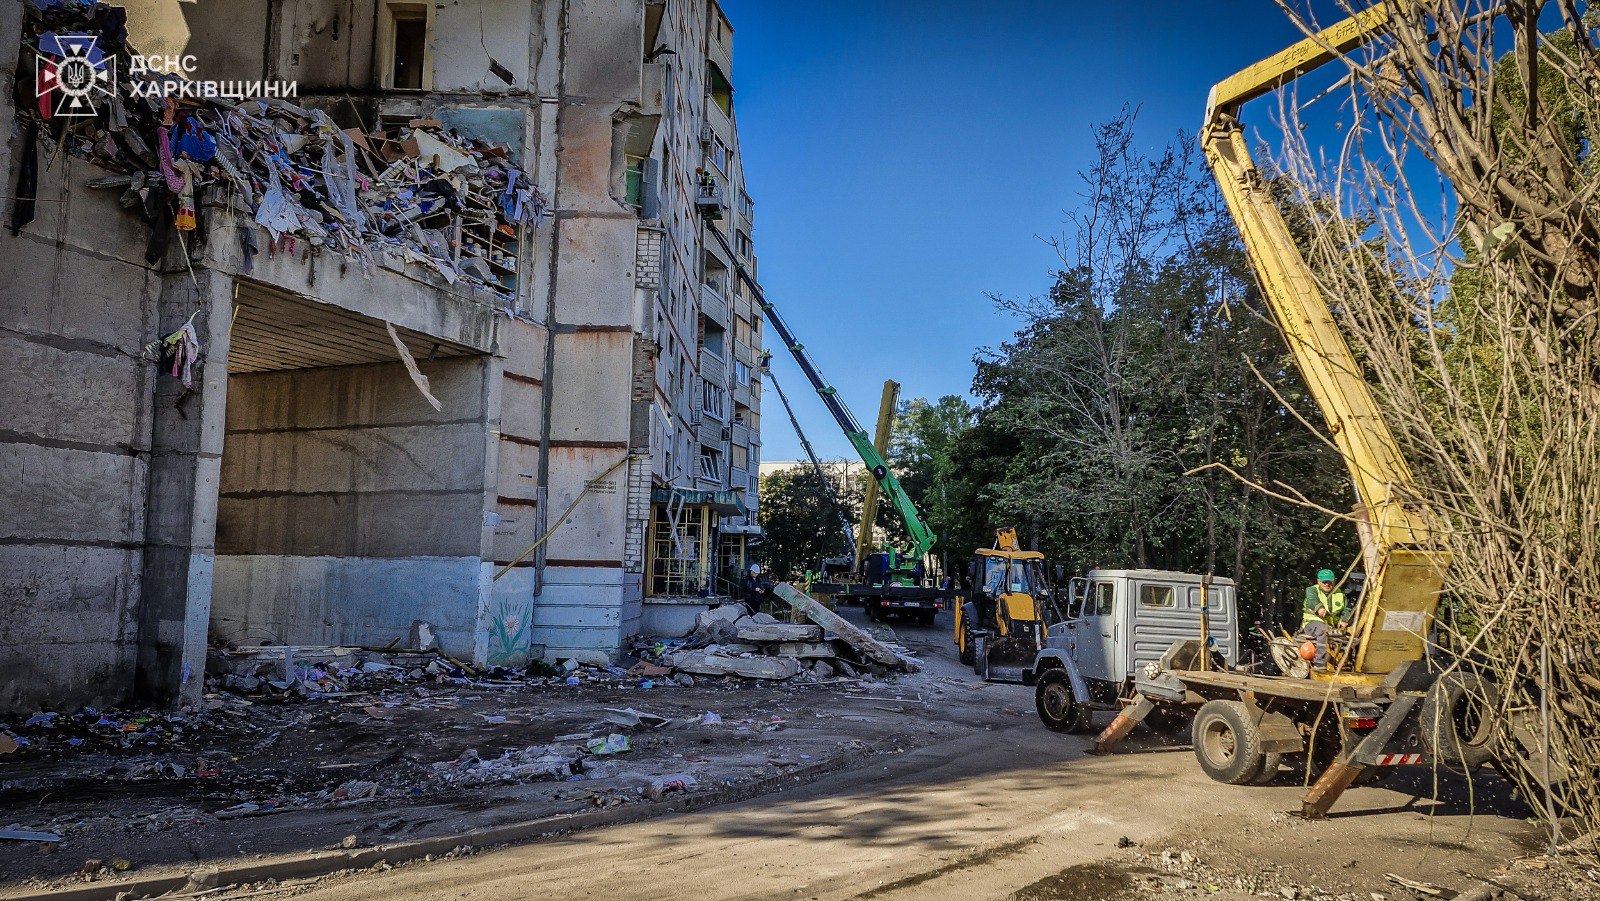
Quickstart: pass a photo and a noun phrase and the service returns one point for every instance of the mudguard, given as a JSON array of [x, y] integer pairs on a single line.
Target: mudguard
[[1053, 657]]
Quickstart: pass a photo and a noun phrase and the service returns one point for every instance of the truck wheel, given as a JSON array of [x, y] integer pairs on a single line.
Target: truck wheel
[[1270, 762], [1059, 708], [980, 656], [1227, 743], [1458, 720]]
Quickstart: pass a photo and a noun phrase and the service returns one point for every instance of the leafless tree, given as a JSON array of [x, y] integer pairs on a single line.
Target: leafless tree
[[1455, 230]]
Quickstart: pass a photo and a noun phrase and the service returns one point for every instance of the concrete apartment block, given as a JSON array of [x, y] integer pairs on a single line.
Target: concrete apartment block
[[302, 490]]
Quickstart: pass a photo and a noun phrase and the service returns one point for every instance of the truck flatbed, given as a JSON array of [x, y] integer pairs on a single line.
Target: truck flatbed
[[1283, 686]]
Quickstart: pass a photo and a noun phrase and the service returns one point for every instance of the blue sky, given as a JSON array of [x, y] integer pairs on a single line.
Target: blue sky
[[904, 156]]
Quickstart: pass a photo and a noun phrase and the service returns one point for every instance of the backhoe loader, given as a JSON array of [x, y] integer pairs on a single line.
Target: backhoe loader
[[1001, 626]]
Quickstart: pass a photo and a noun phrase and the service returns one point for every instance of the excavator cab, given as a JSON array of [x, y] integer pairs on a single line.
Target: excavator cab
[[1001, 626]]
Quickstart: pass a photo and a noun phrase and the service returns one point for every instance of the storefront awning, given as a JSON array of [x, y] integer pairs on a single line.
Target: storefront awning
[[726, 503]]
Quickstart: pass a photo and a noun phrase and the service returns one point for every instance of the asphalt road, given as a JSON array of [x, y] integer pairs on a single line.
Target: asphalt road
[[1006, 809]]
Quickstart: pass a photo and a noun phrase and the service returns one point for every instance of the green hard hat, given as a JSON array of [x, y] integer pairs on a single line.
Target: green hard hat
[[1326, 576]]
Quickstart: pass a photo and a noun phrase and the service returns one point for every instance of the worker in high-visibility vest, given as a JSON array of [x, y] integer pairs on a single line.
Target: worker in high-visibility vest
[[1324, 608]]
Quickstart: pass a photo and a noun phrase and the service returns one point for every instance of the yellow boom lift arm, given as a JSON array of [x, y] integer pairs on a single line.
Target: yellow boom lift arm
[[1402, 593]]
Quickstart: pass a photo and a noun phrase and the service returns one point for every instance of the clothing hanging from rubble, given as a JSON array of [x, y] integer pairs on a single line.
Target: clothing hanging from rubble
[[418, 193]]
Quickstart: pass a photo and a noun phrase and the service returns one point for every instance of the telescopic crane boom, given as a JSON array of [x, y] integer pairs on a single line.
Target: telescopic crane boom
[[816, 466], [922, 537], [1402, 593]]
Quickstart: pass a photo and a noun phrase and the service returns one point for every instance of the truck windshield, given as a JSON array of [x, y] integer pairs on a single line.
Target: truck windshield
[[1024, 578]]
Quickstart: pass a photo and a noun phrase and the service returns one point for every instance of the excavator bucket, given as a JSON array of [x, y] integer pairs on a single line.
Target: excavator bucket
[[1002, 659]]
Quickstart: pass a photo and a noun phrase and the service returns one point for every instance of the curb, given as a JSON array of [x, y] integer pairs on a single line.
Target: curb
[[321, 863]]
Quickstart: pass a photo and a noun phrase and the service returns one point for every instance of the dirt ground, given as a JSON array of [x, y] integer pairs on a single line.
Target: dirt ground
[[946, 787]]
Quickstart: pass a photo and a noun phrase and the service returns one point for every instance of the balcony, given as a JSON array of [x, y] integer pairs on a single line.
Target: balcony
[[712, 368], [714, 304]]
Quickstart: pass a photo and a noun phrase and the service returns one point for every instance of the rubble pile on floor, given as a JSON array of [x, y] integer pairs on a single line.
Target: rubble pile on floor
[[418, 193], [729, 641]]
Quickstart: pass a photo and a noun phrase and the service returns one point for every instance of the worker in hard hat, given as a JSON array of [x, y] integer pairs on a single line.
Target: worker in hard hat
[[755, 589], [1324, 609]]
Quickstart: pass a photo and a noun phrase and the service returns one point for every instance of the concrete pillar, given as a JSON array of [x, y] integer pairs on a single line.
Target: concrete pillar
[[185, 472]]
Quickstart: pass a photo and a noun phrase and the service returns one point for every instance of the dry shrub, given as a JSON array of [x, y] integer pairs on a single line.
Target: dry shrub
[[1456, 233]]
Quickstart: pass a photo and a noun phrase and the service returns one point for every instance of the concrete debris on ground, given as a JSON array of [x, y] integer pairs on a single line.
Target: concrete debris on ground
[[730, 641]]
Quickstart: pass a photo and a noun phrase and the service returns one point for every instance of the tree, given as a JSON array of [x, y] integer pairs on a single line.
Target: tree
[[799, 524], [1109, 422], [925, 435]]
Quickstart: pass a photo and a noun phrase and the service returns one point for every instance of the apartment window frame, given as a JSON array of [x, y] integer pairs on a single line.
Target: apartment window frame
[[713, 400], [709, 464], [394, 12]]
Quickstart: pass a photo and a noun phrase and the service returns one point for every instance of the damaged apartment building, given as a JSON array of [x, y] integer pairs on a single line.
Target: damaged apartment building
[[320, 314]]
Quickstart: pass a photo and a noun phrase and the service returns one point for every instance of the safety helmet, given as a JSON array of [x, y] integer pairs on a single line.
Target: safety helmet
[[755, 569], [1327, 575]]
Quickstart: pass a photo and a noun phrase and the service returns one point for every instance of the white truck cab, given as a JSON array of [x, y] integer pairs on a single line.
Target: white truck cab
[[1118, 621]]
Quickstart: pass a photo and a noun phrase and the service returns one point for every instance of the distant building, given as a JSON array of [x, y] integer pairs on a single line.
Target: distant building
[[301, 489]]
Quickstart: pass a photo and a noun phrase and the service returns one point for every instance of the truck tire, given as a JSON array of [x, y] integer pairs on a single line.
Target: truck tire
[[966, 654], [1226, 743], [1270, 763], [1458, 720], [1059, 707]]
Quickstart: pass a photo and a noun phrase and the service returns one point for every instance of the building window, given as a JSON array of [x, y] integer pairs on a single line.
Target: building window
[[636, 182], [742, 243], [710, 464], [747, 207], [678, 541], [715, 339], [740, 457], [719, 154], [721, 89], [405, 38], [741, 372], [713, 401]]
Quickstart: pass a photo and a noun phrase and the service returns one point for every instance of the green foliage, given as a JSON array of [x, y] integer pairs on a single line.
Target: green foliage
[[1151, 357], [800, 525], [925, 436]]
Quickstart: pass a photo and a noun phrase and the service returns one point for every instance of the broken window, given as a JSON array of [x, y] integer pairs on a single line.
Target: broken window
[[678, 541], [635, 178], [710, 464], [406, 47], [721, 88], [715, 339], [712, 400], [741, 456]]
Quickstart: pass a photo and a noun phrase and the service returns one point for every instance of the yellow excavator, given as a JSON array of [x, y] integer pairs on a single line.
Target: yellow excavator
[[1000, 626], [1384, 703]]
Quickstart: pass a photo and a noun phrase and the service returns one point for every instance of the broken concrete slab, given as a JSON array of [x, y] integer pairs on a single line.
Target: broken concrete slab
[[748, 667], [870, 647], [805, 649], [728, 613], [779, 632]]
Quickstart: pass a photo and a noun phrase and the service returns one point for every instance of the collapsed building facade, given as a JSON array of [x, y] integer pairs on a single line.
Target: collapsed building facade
[[311, 363]]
